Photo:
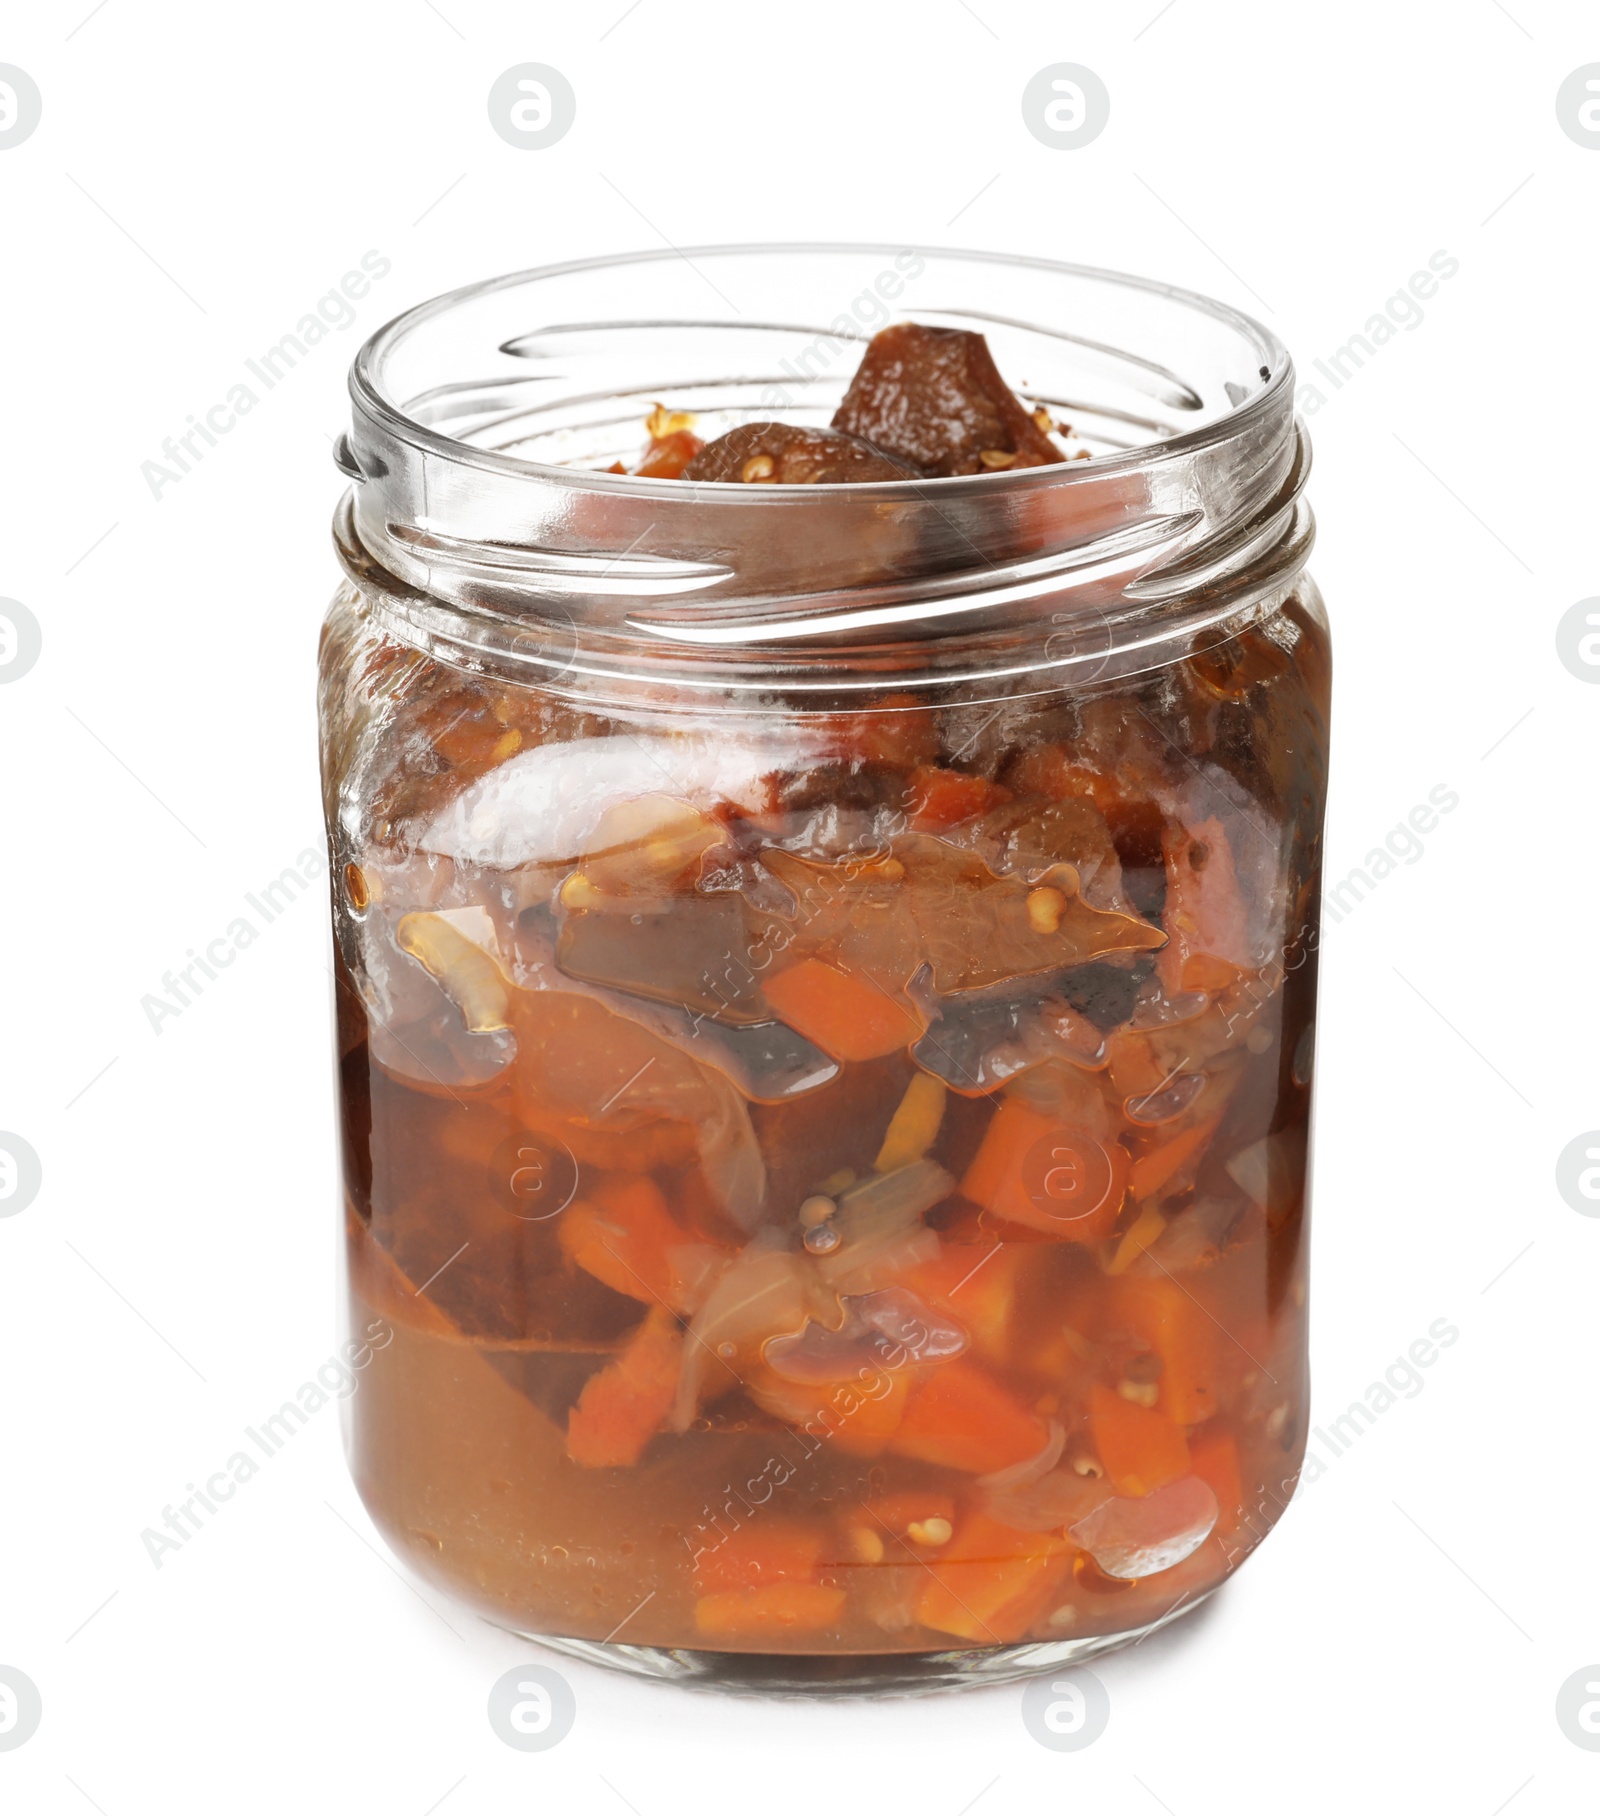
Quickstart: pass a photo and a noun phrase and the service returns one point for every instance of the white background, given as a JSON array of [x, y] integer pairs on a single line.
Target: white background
[[202, 175]]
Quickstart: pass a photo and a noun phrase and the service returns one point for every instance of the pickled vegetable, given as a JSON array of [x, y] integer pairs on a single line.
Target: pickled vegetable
[[935, 397], [773, 453]]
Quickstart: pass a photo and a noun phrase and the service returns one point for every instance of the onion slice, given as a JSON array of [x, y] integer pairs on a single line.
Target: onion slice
[[1030, 1469]]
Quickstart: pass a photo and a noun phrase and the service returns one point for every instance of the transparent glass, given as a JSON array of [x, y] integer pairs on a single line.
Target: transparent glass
[[826, 974]]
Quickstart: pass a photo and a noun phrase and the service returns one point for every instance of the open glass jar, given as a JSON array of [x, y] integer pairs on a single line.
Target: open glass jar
[[825, 973]]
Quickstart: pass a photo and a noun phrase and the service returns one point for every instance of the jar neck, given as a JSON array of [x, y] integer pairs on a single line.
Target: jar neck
[[1023, 619]]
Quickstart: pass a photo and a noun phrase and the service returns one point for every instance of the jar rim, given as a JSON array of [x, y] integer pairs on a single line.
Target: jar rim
[[368, 393]]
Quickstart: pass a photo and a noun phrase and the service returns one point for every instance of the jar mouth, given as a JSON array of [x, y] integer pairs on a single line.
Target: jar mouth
[[483, 419], [375, 380]]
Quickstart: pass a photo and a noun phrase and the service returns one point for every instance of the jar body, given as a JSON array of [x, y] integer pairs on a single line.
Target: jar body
[[827, 1189]]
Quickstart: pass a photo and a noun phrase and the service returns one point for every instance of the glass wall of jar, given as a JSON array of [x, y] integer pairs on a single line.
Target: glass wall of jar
[[826, 971]]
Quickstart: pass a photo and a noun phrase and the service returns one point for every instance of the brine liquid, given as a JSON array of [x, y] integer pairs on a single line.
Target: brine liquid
[[841, 1197]]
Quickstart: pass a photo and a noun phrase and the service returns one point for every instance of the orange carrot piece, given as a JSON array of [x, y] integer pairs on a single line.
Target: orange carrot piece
[[957, 1416], [774, 1612], [991, 1583], [1214, 1456], [1140, 1447], [864, 1429], [858, 1415], [1135, 1069], [843, 1012], [623, 1233], [940, 798], [1048, 1175], [1154, 1171], [1182, 1333], [977, 1284], [993, 1178], [622, 1408]]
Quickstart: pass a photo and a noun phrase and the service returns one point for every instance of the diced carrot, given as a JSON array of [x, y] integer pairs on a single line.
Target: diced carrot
[[857, 1416], [1140, 1447], [771, 1613], [977, 1284], [768, 1550], [1051, 1176], [1214, 1457], [957, 1416], [622, 1408], [623, 1233], [1183, 1334], [994, 1177], [940, 798], [992, 1583], [1135, 1069], [867, 1430], [1154, 1171], [668, 455], [843, 1012]]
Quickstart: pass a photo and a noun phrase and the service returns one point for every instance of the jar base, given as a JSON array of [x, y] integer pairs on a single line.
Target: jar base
[[806, 1674]]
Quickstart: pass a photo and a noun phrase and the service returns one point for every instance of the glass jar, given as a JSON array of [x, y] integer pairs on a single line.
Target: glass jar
[[825, 974]]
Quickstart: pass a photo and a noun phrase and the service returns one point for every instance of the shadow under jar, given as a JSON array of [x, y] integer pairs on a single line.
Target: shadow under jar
[[825, 973]]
